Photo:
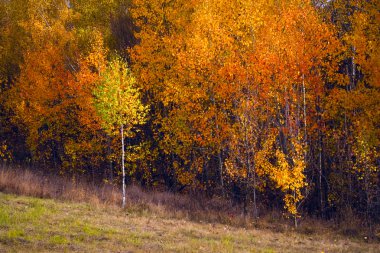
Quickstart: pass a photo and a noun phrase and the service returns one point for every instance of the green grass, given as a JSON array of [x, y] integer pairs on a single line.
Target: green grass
[[43, 225]]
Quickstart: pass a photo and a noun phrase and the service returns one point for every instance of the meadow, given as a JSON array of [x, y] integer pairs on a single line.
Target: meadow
[[77, 219]]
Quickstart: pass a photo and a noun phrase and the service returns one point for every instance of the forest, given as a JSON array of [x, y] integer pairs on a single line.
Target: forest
[[269, 103]]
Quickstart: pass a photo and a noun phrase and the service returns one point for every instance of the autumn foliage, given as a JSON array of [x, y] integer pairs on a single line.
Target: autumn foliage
[[269, 103]]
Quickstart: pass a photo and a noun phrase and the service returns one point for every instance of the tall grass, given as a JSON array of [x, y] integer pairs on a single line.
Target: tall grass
[[200, 208], [35, 183]]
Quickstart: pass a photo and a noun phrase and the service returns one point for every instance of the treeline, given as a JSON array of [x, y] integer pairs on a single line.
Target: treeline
[[270, 103]]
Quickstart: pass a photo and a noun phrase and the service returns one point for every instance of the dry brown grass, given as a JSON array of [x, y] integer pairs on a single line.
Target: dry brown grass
[[26, 182], [166, 204], [163, 204], [199, 208], [30, 224]]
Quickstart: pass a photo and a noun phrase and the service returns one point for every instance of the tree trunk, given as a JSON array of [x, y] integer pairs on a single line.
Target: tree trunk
[[250, 173], [110, 176], [122, 161], [295, 216], [221, 171], [304, 111], [255, 211]]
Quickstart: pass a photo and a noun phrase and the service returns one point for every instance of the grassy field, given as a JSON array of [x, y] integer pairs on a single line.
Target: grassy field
[[30, 224]]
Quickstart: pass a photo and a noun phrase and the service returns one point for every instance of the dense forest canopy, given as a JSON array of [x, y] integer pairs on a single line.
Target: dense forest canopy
[[269, 103]]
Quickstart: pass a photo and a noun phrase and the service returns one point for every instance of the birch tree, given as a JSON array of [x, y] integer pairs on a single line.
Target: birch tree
[[119, 106]]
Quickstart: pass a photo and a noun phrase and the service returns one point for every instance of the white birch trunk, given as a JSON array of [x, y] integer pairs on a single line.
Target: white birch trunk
[[304, 109], [122, 161]]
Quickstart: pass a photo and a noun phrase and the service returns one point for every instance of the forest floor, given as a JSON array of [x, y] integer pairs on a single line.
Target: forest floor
[[29, 224]]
